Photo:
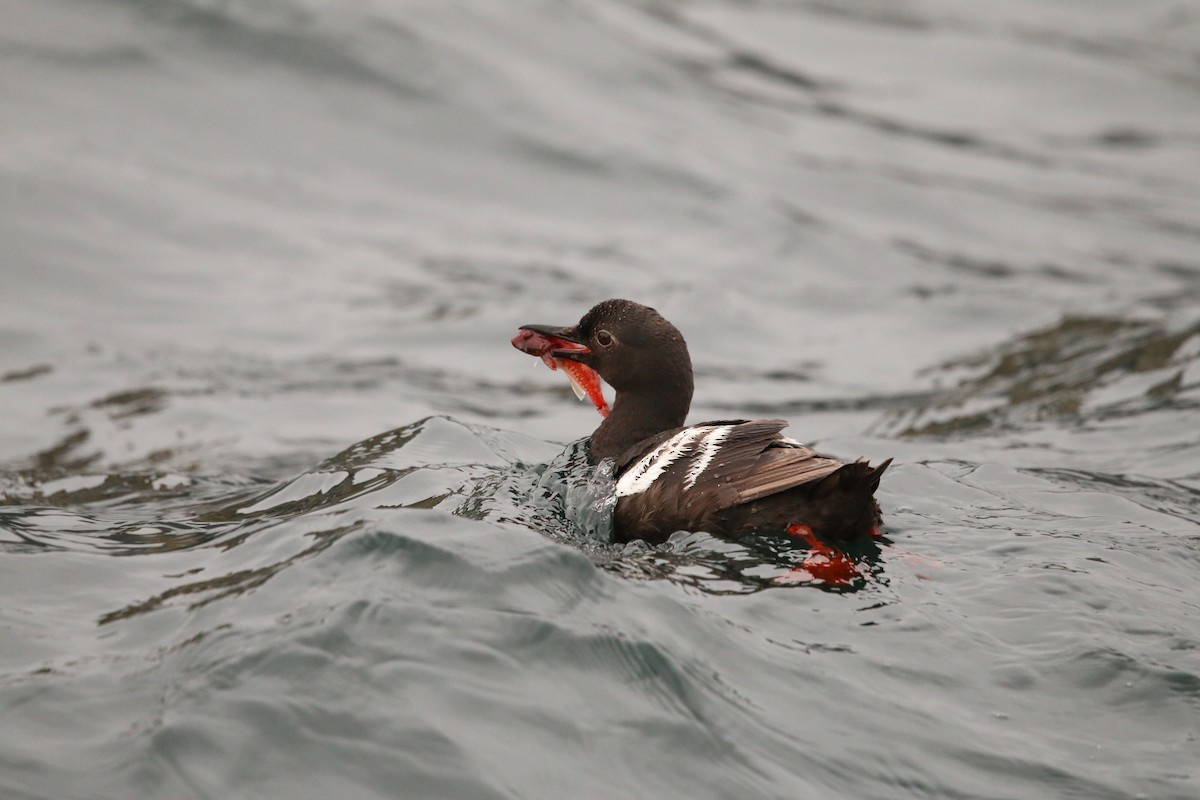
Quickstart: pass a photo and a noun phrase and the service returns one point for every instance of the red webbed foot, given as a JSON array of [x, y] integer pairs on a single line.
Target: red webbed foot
[[824, 562]]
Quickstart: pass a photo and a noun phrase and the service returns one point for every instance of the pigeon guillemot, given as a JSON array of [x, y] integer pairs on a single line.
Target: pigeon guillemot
[[726, 477]]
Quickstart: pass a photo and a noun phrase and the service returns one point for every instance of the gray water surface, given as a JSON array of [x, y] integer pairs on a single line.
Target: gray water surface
[[282, 514]]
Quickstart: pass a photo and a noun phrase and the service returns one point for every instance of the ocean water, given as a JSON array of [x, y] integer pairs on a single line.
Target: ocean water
[[283, 515]]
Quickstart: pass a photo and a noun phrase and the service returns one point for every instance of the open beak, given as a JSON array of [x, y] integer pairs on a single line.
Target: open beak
[[550, 340], [560, 348]]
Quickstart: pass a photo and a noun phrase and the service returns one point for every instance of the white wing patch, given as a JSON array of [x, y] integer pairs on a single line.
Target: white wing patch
[[651, 466], [711, 443], [700, 444]]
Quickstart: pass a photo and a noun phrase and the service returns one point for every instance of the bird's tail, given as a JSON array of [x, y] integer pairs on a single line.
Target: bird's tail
[[858, 477]]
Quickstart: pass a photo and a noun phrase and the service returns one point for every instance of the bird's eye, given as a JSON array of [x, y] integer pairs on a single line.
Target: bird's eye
[[604, 338]]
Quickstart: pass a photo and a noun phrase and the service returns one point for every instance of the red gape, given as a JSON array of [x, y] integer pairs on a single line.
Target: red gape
[[582, 377]]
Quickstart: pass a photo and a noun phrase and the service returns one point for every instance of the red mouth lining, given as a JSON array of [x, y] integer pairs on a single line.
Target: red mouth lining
[[584, 380]]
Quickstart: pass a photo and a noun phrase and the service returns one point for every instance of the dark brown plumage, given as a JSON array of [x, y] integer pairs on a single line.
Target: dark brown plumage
[[727, 477]]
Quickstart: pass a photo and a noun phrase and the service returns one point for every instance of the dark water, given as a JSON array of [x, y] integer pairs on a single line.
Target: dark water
[[238, 237]]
